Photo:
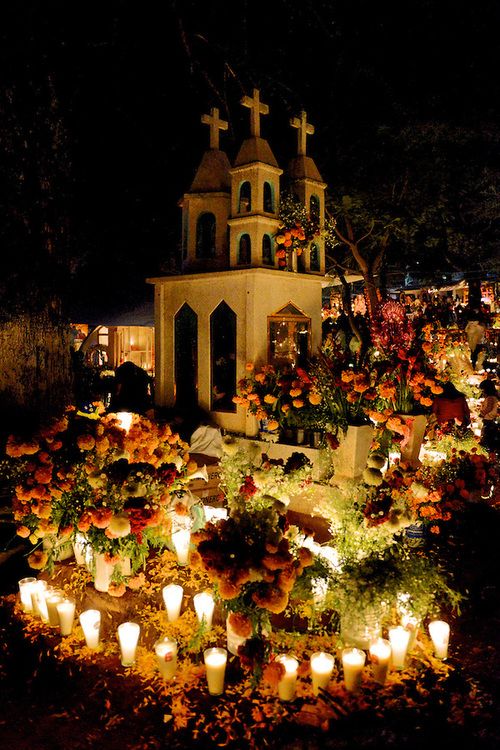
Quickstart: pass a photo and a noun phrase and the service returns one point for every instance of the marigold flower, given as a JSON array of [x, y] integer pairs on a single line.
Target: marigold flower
[[295, 392], [117, 589], [249, 366], [314, 398], [270, 399], [298, 403], [23, 532], [85, 442], [38, 559], [241, 624]]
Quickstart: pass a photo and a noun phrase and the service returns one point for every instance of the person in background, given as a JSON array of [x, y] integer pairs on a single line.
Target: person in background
[[451, 406], [132, 390], [489, 414], [204, 436]]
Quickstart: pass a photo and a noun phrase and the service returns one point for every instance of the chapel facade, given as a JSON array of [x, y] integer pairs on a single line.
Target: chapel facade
[[235, 301]]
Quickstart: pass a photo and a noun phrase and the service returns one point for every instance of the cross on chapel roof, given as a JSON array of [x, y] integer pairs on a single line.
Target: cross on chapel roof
[[256, 110], [304, 129], [216, 124]]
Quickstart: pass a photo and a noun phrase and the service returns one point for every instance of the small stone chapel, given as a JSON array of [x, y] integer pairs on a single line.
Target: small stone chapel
[[233, 303]]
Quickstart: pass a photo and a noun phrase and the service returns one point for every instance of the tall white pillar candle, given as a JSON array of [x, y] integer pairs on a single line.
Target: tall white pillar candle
[[353, 661], [172, 596], [38, 600], [380, 657], [128, 637], [66, 612], [26, 586], [399, 638], [204, 607], [52, 599], [321, 670], [288, 683], [90, 620], [439, 631], [166, 656], [215, 663], [181, 540]]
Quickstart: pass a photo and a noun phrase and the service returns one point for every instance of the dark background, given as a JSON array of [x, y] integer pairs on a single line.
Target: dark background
[[133, 78]]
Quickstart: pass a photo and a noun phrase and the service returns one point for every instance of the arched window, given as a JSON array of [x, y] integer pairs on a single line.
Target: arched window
[[223, 358], [267, 251], [289, 337], [244, 250], [314, 208], [245, 199], [268, 198], [186, 356], [314, 258], [205, 236]]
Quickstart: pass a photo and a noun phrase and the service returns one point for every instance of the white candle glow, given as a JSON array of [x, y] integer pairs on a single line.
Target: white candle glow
[[439, 631], [38, 604], [166, 656], [353, 661], [321, 670], [90, 620], [26, 586], [181, 540], [380, 657], [288, 683], [52, 600], [66, 612], [125, 420], [204, 607], [128, 637], [215, 663], [399, 638], [172, 596]]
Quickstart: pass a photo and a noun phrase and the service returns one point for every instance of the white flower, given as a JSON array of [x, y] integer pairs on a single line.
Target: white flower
[[119, 525]]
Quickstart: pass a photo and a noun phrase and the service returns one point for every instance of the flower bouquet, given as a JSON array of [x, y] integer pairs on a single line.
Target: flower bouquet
[[296, 230], [93, 477]]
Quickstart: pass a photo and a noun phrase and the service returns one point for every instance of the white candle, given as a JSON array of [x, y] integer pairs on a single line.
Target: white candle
[[66, 612], [181, 540], [411, 623], [166, 656], [204, 607], [215, 663], [380, 657], [90, 620], [399, 638], [321, 669], [38, 604], [26, 586], [172, 596], [353, 661], [125, 420], [440, 634], [288, 683], [52, 600], [128, 637]]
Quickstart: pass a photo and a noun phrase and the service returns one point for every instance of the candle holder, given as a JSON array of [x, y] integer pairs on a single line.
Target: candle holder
[[52, 599], [399, 638], [26, 586], [39, 607], [439, 632], [204, 607], [215, 662], [128, 637], [166, 656], [90, 620], [353, 662], [321, 670], [172, 597], [288, 683], [380, 658], [181, 539], [66, 611]]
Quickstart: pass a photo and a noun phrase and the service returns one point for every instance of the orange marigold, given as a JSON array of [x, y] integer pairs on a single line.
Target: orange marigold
[[241, 624], [38, 559]]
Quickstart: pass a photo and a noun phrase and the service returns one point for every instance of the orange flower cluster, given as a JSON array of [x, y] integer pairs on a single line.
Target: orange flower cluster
[[252, 566], [95, 477]]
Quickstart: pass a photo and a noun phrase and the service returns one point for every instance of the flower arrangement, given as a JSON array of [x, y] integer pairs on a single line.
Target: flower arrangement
[[288, 397], [91, 476], [296, 230]]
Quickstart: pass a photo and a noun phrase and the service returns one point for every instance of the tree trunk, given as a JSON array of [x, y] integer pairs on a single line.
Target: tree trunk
[[36, 378]]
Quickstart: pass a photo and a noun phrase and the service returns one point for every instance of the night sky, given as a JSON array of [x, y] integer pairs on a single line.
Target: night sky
[[132, 80]]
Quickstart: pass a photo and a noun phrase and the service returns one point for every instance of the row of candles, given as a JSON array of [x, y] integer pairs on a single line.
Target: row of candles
[[59, 611]]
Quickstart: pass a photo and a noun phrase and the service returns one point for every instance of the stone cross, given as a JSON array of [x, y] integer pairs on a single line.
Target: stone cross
[[216, 124], [304, 129], [256, 110]]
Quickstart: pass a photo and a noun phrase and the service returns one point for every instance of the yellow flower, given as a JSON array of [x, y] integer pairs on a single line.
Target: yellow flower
[[295, 392], [270, 399], [38, 559], [314, 398], [298, 403]]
